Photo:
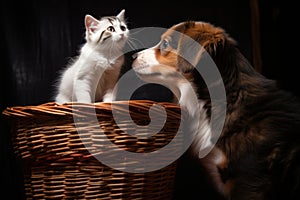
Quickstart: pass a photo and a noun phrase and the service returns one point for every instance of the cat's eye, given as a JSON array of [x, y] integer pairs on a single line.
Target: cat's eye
[[111, 29], [123, 28]]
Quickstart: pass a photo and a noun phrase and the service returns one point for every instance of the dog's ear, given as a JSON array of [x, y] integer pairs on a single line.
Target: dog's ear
[[189, 51], [189, 54], [214, 45], [192, 47]]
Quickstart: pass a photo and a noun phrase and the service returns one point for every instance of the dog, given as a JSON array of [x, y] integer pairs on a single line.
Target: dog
[[257, 154]]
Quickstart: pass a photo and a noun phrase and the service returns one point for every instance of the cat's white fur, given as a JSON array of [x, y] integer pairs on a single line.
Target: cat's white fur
[[94, 74]]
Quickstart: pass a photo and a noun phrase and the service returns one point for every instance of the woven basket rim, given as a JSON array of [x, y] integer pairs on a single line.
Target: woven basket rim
[[53, 108], [51, 128]]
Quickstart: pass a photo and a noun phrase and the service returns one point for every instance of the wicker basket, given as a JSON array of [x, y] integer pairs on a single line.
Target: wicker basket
[[59, 165]]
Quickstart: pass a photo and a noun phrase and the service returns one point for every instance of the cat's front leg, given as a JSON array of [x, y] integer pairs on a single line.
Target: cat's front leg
[[62, 98], [109, 96], [82, 91]]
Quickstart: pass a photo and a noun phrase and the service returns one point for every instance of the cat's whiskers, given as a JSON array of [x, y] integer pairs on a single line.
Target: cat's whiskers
[[135, 43], [136, 31], [131, 46]]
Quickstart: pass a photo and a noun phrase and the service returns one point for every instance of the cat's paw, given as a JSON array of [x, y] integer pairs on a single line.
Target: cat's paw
[[108, 97], [61, 99]]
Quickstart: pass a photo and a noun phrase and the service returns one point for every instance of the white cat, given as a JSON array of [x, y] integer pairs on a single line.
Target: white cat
[[93, 75]]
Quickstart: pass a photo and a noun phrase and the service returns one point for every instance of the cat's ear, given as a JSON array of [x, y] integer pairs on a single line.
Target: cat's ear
[[91, 24], [121, 15]]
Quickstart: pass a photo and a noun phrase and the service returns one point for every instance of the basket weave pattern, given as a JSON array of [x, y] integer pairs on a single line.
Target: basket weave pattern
[[59, 161]]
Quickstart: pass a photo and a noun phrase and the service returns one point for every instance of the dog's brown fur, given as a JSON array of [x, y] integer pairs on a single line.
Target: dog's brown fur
[[260, 141]]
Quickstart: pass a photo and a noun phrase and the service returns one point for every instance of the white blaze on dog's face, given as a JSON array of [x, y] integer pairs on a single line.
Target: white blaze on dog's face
[[159, 65], [158, 62], [178, 51]]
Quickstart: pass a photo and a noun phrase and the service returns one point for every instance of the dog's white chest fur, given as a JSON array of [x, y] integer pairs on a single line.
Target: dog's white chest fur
[[199, 124]]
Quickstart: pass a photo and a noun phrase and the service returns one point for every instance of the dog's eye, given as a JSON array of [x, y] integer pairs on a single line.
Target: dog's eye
[[164, 45]]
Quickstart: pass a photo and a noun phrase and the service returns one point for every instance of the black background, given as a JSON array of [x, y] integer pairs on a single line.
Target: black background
[[39, 37]]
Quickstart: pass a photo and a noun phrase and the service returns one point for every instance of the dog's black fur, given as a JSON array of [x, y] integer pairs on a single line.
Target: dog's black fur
[[261, 135]]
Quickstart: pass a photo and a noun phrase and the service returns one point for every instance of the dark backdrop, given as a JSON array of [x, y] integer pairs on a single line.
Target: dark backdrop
[[39, 37]]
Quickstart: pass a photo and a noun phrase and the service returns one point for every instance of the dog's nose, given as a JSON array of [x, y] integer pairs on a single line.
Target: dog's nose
[[134, 56]]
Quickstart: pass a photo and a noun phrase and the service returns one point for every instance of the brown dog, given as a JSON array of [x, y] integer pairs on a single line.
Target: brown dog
[[257, 155]]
